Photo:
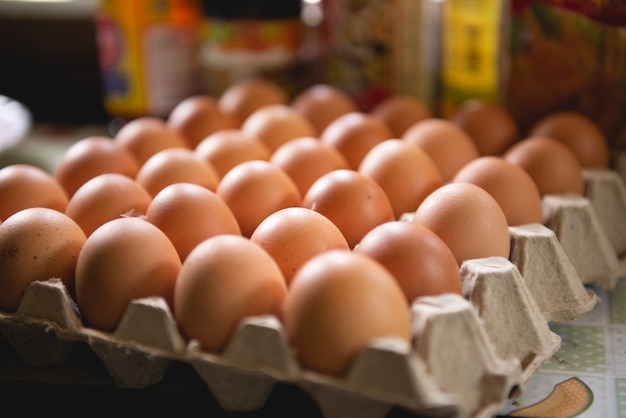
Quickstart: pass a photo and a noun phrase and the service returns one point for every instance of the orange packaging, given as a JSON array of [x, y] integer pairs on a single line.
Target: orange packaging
[[149, 54]]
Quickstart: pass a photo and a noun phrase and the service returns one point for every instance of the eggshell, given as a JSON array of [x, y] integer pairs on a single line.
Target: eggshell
[[579, 133], [227, 148], [198, 116], [294, 235], [449, 146], [400, 112], [404, 171], [420, 261], [552, 165], [242, 98], [23, 186], [188, 214], [468, 219], [323, 103], [175, 165], [36, 244], [277, 124], [147, 135], [354, 134], [306, 159], [512, 187], [255, 189], [351, 200], [490, 125], [338, 303], [224, 279], [122, 260], [91, 156], [106, 197]]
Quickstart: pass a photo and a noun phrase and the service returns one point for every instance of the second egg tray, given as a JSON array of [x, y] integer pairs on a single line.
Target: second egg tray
[[469, 353]]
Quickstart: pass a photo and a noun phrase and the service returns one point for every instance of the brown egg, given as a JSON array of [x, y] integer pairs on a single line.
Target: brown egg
[[490, 125], [579, 133], [468, 219], [255, 189], [512, 187], [421, 263], [225, 279], [106, 197], [23, 186], [448, 145], [552, 165], [188, 214], [241, 99], [175, 165], [36, 244], [400, 112], [197, 117], [323, 103], [147, 135], [351, 200], [306, 159], [90, 157], [292, 236], [338, 303], [404, 171], [354, 134], [123, 260], [277, 124], [229, 147]]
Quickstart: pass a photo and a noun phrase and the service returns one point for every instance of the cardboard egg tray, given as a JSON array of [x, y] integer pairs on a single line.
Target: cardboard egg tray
[[469, 353]]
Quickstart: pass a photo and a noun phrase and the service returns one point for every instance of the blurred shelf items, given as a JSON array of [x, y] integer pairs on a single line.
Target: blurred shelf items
[[90, 60]]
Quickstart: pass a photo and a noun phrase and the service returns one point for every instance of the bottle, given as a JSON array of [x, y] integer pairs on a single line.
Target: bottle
[[243, 38], [148, 53]]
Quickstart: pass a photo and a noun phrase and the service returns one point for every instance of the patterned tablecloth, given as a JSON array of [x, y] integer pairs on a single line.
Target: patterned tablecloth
[[587, 376]]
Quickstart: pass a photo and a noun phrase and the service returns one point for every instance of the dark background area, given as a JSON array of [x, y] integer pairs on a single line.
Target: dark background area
[[49, 63]]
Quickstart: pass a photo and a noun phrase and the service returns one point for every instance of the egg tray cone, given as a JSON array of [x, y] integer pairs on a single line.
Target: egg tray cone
[[469, 353]]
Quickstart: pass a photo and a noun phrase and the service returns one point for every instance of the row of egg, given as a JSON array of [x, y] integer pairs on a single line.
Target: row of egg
[[248, 205]]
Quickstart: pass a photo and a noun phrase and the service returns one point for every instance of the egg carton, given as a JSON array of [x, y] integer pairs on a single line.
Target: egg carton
[[591, 229], [469, 355]]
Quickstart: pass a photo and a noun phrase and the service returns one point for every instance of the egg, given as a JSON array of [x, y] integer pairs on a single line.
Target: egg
[[188, 214], [277, 124], [400, 112], [449, 146], [89, 157], [509, 184], [106, 197], [338, 303], [123, 260], [552, 165], [24, 185], [490, 125], [468, 219], [292, 236], [227, 148], [147, 135], [225, 279], [420, 261], [306, 159], [579, 133], [322, 103], [404, 171], [37, 244], [197, 117], [175, 165], [354, 134], [255, 189], [351, 200], [242, 98]]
